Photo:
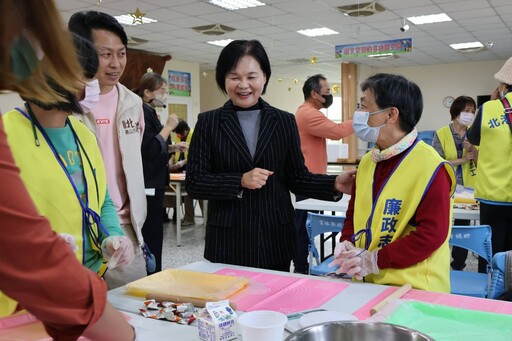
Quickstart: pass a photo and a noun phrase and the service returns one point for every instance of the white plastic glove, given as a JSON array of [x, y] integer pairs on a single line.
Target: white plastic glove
[[358, 263], [117, 250], [342, 247]]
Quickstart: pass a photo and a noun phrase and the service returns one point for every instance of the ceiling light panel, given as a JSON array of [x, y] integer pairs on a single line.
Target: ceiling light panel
[[317, 32], [233, 5], [220, 43], [464, 46], [429, 19]]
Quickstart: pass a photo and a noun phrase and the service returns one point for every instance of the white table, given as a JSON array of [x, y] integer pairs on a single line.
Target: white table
[[342, 205], [349, 300], [178, 192], [322, 205]]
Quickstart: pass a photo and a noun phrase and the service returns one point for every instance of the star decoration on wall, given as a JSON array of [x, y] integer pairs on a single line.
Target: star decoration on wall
[[313, 60], [137, 16]]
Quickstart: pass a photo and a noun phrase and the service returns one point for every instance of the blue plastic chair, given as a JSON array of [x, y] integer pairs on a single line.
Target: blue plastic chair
[[499, 262], [426, 136], [477, 239], [317, 224]]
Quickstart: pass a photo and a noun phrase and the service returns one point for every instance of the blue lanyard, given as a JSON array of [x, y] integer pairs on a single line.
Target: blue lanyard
[[89, 216]]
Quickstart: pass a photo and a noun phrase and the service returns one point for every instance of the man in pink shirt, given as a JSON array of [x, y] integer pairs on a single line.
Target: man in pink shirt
[[314, 129], [117, 119]]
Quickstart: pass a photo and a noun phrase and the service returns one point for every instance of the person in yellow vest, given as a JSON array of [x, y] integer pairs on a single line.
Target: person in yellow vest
[[63, 170], [451, 143], [399, 216], [492, 132], [37, 267], [183, 133]]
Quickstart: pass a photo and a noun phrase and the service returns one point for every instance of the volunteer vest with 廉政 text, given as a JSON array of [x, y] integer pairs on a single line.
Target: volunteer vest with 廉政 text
[[393, 210]]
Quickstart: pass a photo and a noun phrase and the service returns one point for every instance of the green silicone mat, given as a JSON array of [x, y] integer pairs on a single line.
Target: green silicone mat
[[448, 323]]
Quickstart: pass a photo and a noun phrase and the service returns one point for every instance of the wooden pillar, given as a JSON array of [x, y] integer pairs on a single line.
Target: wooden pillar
[[349, 104]]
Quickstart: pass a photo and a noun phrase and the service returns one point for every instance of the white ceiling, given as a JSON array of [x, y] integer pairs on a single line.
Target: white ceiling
[[275, 25]]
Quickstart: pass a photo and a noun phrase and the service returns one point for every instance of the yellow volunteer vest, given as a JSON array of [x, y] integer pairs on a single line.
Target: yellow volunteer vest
[[394, 208], [494, 177], [176, 139], [450, 153], [53, 195]]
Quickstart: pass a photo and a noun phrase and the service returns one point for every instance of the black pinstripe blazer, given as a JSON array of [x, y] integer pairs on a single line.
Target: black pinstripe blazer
[[256, 229]]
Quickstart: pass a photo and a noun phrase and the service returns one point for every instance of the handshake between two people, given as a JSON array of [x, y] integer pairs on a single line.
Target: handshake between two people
[[353, 261], [257, 178]]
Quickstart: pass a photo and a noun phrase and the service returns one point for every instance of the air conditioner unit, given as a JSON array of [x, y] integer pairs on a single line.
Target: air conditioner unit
[[213, 30], [361, 10]]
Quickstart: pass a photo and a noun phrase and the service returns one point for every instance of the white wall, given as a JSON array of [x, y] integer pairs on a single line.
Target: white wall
[[438, 81]]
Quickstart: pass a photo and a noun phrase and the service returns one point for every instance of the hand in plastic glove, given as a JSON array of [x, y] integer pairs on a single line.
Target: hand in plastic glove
[[358, 263], [182, 146], [342, 247], [118, 250]]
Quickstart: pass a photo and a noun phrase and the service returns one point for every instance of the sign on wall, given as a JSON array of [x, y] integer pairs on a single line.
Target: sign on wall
[[372, 48], [179, 83]]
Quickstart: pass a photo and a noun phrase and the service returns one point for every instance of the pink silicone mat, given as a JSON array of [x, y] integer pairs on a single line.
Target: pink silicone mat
[[281, 293], [464, 302]]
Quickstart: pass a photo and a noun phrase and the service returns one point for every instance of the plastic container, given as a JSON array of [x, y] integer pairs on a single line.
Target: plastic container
[[262, 325]]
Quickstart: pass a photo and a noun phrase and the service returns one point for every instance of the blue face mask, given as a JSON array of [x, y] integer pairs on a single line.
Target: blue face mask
[[361, 127]]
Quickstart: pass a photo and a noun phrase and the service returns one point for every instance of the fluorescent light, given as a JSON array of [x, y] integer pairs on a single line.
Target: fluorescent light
[[236, 4], [317, 32], [429, 19], [381, 55], [220, 43], [127, 19], [465, 46]]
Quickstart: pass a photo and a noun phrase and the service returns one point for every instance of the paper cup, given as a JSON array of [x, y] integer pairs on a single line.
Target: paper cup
[[262, 325]]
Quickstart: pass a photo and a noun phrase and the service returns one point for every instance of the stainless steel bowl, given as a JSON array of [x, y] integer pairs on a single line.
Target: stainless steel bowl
[[357, 331]]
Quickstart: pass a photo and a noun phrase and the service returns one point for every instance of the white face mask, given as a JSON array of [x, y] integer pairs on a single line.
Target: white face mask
[[92, 95], [361, 127], [159, 101], [466, 118]]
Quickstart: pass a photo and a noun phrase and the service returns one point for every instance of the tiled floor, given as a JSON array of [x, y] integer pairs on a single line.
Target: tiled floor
[[192, 247]]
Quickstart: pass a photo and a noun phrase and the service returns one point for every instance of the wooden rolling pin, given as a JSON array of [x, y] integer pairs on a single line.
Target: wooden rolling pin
[[397, 294], [197, 302]]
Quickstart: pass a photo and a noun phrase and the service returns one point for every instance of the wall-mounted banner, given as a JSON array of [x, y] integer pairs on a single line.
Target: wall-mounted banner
[[179, 83], [375, 47]]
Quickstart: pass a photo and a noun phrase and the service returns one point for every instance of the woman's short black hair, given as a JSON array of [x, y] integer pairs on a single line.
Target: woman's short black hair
[[181, 127], [82, 23], [231, 54], [312, 83], [459, 104], [397, 91]]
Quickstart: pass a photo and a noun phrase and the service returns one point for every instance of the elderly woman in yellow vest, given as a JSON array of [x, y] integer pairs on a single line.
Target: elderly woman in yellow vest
[[399, 216], [451, 143], [492, 132], [62, 168]]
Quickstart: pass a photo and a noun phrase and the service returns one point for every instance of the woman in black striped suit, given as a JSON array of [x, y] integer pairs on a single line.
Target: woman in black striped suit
[[245, 158]]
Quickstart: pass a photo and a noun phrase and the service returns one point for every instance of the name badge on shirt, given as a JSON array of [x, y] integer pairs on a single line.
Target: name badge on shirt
[[131, 127]]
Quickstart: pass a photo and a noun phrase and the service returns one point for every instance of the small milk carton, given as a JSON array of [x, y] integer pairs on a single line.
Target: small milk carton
[[216, 322]]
